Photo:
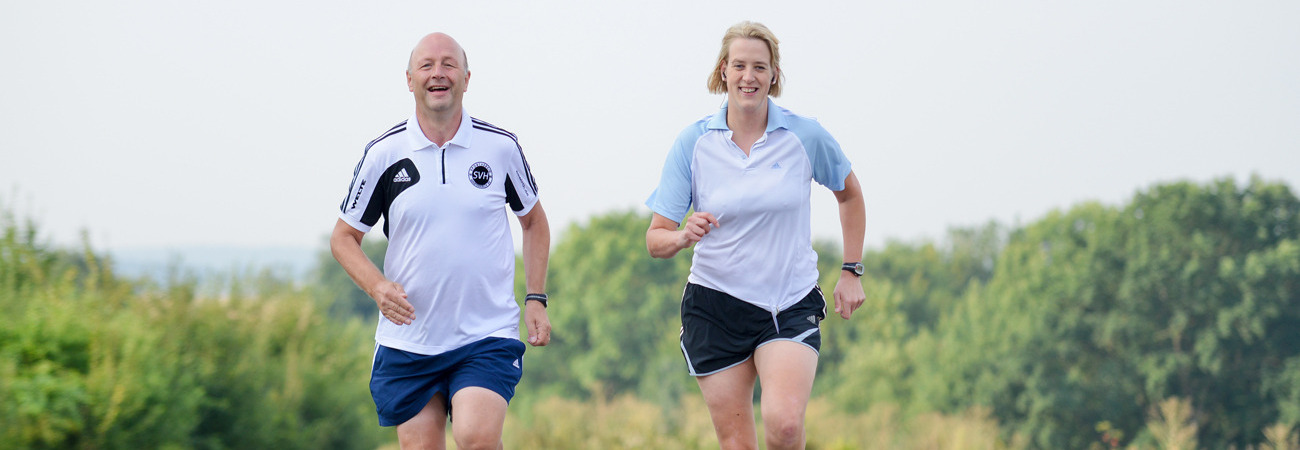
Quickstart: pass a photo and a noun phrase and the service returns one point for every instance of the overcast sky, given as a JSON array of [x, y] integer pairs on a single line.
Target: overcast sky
[[156, 123]]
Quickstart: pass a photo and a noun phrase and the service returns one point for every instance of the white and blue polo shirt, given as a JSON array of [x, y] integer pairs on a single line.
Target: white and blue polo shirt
[[761, 252], [449, 241]]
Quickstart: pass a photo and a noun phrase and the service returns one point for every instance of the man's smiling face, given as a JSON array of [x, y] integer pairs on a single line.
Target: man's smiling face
[[438, 75]]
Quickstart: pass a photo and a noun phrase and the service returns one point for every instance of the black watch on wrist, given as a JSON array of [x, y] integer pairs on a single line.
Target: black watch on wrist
[[539, 298], [856, 268]]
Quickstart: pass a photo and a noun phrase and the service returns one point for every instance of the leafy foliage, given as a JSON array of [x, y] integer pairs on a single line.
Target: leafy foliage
[[1171, 320], [332, 285], [88, 360], [1097, 313], [615, 314]]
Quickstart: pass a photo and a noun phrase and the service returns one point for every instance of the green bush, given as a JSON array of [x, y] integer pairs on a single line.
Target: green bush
[[88, 360]]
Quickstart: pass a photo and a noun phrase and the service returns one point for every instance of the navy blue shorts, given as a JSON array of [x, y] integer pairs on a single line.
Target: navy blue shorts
[[720, 331], [402, 383]]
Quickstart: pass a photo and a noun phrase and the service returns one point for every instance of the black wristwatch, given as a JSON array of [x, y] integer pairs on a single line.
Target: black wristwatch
[[856, 268], [539, 298]]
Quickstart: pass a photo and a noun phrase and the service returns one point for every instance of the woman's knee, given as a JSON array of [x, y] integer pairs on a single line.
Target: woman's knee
[[783, 433], [783, 427]]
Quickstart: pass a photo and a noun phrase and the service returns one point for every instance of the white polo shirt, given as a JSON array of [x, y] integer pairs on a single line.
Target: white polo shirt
[[449, 241], [761, 252]]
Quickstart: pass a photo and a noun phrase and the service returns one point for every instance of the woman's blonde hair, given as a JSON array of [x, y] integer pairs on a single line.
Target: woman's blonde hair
[[753, 30]]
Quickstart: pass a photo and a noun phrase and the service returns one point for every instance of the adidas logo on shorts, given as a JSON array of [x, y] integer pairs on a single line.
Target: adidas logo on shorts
[[517, 364]]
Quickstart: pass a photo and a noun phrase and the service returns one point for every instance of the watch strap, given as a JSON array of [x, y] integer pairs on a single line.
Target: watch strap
[[540, 298], [855, 268]]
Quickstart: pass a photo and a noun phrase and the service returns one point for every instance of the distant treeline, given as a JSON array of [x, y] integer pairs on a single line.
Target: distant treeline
[[1170, 321]]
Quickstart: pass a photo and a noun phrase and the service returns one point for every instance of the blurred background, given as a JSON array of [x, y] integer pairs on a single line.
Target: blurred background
[[1082, 223]]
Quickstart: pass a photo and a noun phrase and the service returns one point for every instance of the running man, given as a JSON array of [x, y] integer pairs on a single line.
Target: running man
[[447, 344]]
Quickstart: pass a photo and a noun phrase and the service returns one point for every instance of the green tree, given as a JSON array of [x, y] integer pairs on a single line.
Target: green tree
[[934, 275], [615, 313], [88, 360], [1097, 313], [333, 286], [1215, 270], [870, 359]]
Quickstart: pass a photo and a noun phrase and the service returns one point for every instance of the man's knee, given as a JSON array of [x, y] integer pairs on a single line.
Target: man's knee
[[477, 440]]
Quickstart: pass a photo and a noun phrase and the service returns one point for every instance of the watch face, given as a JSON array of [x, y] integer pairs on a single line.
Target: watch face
[[857, 268]]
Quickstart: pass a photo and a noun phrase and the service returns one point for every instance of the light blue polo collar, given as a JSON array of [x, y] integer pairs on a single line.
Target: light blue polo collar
[[775, 118]]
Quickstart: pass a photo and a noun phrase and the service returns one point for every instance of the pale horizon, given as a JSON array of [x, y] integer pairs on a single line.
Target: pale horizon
[[158, 125]]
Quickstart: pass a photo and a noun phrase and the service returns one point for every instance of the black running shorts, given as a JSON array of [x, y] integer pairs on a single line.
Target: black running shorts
[[720, 331]]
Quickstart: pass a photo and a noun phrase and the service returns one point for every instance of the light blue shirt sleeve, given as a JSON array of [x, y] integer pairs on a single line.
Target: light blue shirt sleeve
[[829, 165], [672, 199]]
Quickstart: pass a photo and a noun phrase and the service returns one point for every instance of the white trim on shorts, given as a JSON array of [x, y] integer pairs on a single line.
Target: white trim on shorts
[[691, 367], [802, 336], [805, 344]]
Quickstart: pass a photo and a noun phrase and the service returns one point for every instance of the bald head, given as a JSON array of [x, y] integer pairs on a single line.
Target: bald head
[[438, 77], [435, 43]]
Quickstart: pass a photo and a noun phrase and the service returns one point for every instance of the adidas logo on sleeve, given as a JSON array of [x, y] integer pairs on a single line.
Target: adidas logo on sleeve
[[402, 177]]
